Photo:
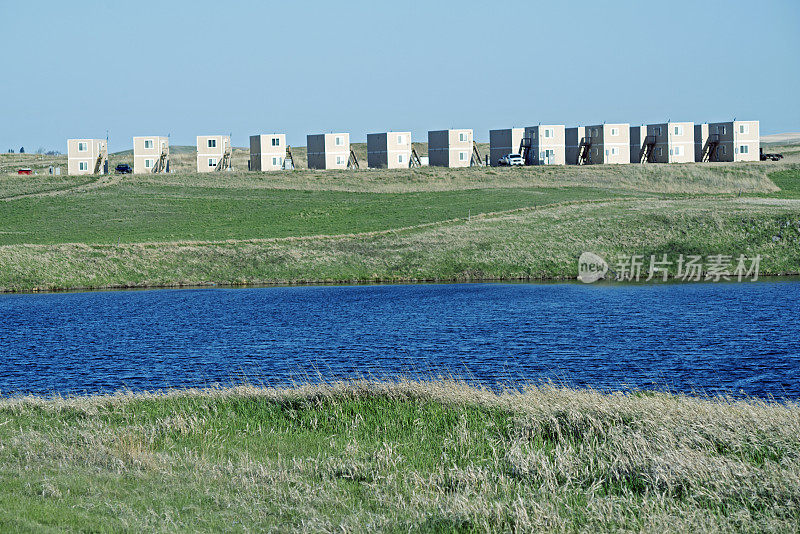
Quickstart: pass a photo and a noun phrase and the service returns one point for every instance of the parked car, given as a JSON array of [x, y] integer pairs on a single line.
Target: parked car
[[24, 170], [123, 168], [773, 157], [511, 159]]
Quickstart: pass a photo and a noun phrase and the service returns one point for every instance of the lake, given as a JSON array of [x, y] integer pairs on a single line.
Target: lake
[[738, 338]]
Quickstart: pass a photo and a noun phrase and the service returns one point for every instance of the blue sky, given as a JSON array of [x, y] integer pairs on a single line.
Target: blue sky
[[187, 68]]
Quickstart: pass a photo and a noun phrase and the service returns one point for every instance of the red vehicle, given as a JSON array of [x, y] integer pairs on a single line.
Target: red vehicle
[[24, 171]]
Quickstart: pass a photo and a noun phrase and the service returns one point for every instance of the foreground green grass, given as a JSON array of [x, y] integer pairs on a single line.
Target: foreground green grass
[[429, 457]]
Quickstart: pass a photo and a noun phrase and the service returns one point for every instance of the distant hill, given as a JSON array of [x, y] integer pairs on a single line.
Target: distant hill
[[782, 139]]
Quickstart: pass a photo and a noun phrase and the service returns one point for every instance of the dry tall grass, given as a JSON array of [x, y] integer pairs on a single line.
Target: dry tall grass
[[405, 456]]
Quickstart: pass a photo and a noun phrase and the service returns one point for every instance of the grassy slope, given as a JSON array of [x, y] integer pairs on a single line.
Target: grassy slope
[[398, 457], [389, 225]]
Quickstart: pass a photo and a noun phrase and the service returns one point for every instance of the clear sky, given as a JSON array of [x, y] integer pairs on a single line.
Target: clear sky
[[187, 68]]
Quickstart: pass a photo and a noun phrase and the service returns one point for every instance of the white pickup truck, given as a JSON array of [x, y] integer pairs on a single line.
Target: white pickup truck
[[511, 159]]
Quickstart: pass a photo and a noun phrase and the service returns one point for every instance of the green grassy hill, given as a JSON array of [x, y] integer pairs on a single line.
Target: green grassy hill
[[377, 225]]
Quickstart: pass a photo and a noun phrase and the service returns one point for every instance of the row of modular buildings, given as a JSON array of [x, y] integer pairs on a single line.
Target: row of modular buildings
[[667, 142], [551, 144]]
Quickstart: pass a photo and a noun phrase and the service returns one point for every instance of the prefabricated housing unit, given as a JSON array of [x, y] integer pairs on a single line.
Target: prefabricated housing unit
[[548, 144], [150, 154], [736, 140], [267, 152], [210, 150], [389, 150], [328, 151], [87, 156], [572, 142], [450, 148], [666, 142], [610, 143], [674, 142], [504, 142]]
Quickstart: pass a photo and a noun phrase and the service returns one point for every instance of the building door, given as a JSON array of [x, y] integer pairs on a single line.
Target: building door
[[549, 157]]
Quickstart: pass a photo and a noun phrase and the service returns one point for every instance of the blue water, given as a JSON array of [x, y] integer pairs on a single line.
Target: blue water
[[696, 338]]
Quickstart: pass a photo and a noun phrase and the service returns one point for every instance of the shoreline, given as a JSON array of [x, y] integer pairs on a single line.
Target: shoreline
[[762, 277]]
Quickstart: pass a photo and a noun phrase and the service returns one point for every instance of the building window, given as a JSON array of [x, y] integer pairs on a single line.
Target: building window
[[723, 149], [83, 166], [277, 161], [594, 132], [212, 162], [660, 151], [340, 160], [657, 130], [678, 150], [401, 139], [399, 158], [148, 163], [82, 147], [462, 156], [276, 141], [678, 130], [744, 149], [548, 133], [744, 128], [614, 151], [338, 140], [614, 132], [462, 137], [148, 143], [212, 143], [721, 130]]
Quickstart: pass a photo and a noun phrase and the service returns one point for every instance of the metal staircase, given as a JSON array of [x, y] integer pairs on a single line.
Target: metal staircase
[[476, 160], [584, 151], [648, 149], [162, 164], [525, 149], [352, 161], [710, 150], [414, 161], [225, 163], [288, 161], [98, 164]]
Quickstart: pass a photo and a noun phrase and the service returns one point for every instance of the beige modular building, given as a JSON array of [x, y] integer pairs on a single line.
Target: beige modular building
[[450, 148], [213, 151], [547, 144], [666, 142], [267, 152], [573, 137], [328, 151], [608, 143], [734, 141], [150, 154], [504, 142], [87, 156], [700, 142], [389, 150]]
